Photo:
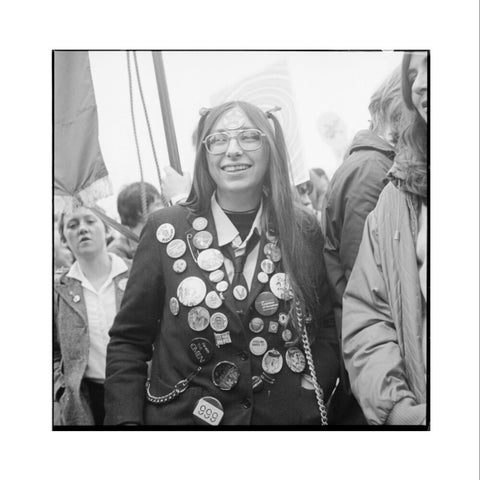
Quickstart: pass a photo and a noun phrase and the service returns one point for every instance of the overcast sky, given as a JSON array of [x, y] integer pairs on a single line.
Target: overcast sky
[[324, 84]]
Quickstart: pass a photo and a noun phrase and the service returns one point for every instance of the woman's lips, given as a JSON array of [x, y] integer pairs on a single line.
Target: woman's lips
[[235, 168]]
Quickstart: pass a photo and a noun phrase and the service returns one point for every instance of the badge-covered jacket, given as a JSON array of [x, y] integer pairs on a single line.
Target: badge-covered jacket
[[71, 344], [159, 309], [382, 312]]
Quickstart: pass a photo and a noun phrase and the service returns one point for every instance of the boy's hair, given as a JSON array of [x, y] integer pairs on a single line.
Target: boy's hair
[[129, 202], [386, 105]]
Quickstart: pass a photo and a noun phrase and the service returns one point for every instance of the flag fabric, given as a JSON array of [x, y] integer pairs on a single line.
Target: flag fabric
[[80, 175], [267, 89]]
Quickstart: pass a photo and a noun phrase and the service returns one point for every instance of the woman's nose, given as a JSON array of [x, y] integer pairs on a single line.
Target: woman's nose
[[82, 228], [421, 81], [234, 149]]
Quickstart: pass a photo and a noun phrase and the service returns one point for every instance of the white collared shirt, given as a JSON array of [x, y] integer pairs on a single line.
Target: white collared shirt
[[101, 311], [227, 232]]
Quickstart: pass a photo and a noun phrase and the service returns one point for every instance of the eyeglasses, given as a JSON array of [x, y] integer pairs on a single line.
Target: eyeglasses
[[249, 140]]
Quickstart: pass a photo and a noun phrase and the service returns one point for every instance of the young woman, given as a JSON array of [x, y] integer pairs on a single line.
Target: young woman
[[384, 334], [86, 299], [221, 290]]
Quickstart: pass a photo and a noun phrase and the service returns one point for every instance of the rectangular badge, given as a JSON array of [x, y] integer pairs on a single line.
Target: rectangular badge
[[208, 412]]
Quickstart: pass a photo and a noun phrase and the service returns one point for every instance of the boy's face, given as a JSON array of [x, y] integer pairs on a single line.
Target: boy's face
[[84, 232]]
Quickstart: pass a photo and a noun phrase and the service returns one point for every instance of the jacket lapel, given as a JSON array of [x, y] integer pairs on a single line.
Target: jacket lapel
[[189, 234], [71, 290], [120, 282], [256, 286]]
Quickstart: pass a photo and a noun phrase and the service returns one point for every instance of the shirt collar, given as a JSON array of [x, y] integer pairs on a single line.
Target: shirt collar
[[118, 266], [226, 230]]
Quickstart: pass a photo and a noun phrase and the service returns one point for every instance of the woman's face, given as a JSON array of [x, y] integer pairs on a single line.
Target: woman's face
[[238, 170], [418, 77], [84, 232]]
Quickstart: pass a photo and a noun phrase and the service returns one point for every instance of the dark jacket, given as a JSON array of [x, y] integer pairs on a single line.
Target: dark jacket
[[70, 348], [351, 196], [146, 320]]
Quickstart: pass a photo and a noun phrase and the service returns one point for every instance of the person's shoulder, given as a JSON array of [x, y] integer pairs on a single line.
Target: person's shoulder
[[171, 214]]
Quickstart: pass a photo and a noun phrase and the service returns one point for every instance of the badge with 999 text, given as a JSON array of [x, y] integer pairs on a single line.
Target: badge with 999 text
[[208, 411]]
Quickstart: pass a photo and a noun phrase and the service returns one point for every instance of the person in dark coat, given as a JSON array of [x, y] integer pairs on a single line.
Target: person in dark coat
[[228, 295], [351, 196]]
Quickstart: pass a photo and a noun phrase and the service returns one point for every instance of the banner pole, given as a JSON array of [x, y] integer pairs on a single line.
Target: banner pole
[[166, 111]]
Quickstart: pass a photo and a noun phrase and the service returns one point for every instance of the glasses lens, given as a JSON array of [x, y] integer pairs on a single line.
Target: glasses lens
[[250, 139], [217, 143]]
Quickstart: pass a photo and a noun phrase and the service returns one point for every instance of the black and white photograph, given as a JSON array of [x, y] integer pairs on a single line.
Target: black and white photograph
[[241, 239]]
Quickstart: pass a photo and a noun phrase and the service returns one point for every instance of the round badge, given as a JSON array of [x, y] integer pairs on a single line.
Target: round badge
[[210, 259], [287, 335], [213, 300], [283, 319], [174, 306], [256, 325], [273, 252], [257, 384], [165, 232], [262, 277], [218, 322], [176, 248], [267, 266], [222, 286], [295, 360], [191, 291], [225, 375], [266, 304], [240, 292], [272, 327], [272, 362], [122, 284], [216, 276], [198, 319], [76, 298], [208, 411], [200, 351], [280, 286], [202, 240], [258, 346], [200, 223], [179, 266]]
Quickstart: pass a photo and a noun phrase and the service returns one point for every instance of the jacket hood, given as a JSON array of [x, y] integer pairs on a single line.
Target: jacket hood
[[367, 140]]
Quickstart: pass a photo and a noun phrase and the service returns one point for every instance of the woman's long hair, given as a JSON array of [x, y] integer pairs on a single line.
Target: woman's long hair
[[296, 228], [412, 147]]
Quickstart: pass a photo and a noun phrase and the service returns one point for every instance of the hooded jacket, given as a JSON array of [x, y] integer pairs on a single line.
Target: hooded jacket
[[351, 196], [382, 312]]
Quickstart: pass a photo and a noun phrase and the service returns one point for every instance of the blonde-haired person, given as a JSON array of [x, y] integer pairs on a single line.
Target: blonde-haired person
[[384, 325], [86, 298]]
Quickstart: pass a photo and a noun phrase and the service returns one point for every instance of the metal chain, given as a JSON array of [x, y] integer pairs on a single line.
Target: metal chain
[[162, 196], [179, 388], [143, 192], [311, 366]]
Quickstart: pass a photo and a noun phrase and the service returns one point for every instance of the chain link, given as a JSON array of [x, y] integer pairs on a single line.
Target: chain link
[[179, 388], [311, 366]]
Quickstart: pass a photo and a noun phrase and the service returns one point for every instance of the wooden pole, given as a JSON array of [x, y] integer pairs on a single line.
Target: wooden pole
[[166, 111]]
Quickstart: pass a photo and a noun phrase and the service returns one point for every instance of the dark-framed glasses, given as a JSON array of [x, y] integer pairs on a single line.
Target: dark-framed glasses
[[249, 140]]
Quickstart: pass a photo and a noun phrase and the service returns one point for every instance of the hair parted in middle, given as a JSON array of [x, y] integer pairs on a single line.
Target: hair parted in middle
[[283, 215], [411, 155]]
